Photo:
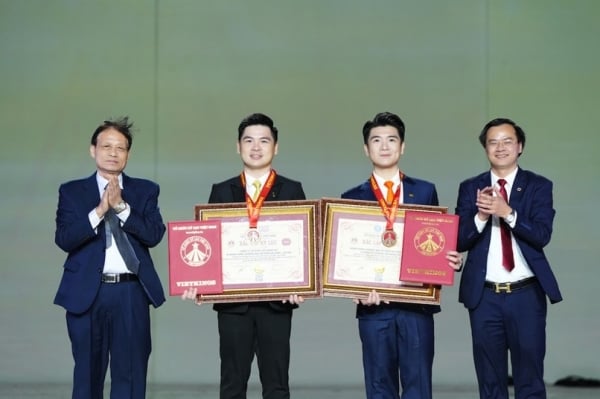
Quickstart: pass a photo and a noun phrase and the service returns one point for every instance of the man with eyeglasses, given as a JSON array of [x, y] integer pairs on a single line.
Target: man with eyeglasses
[[506, 216], [106, 223]]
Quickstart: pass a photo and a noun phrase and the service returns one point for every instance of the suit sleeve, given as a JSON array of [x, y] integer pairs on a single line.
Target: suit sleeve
[[73, 228], [145, 221], [468, 235], [535, 215]]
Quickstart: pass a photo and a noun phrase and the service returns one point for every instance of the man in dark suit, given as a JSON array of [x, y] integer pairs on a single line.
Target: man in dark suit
[[395, 336], [107, 223], [261, 328], [506, 217]]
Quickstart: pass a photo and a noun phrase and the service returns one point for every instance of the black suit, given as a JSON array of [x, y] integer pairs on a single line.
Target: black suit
[[257, 327]]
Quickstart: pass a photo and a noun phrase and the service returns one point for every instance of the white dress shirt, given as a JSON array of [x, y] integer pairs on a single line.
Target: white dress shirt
[[495, 272]]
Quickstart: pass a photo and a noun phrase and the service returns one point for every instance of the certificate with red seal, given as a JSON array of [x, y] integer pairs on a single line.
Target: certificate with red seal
[[427, 238], [195, 257]]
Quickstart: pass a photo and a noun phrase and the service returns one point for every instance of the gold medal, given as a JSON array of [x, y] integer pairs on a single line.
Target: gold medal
[[253, 235], [254, 207], [388, 238]]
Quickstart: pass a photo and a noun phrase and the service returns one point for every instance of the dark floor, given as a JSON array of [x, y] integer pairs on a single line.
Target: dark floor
[[62, 391]]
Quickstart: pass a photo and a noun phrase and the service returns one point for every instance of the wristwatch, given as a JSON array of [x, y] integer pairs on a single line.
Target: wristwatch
[[510, 218], [120, 207]]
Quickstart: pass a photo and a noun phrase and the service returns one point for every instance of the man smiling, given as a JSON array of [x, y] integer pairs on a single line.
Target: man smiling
[[506, 216], [397, 338], [247, 329]]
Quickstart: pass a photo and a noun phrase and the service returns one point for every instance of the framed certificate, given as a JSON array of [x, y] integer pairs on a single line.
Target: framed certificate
[[278, 258], [355, 258]]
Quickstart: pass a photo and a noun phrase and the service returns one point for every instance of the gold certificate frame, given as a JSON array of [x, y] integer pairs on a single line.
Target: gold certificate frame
[[278, 258], [354, 259]]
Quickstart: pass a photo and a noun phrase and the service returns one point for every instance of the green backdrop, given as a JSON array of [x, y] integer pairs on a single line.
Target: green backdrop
[[188, 71]]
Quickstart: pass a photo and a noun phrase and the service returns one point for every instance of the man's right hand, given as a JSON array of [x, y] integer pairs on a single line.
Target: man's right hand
[[484, 202], [192, 294], [103, 206], [372, 299]]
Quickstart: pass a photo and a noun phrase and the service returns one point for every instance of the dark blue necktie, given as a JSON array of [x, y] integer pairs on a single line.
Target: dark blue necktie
[[113, 226]]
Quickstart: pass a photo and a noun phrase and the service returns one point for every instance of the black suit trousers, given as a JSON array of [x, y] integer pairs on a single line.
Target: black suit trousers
[[261, 331]]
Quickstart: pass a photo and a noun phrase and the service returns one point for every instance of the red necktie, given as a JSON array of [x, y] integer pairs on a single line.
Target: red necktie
[[508, 260], [389, 198]]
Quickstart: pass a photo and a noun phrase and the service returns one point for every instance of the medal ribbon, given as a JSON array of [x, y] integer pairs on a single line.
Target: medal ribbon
[[389, 211], [255, 206]]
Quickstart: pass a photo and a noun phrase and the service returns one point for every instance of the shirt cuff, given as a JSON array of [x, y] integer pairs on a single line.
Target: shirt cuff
[[94, 219], [123, 215], [480, 224]]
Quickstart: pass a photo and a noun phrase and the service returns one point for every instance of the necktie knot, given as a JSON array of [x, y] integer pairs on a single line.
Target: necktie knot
[[257, 185], [390, 191], [503, 193]]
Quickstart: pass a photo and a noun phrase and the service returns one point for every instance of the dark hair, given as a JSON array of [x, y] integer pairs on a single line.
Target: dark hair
[[502, 121], [121, 125], [257, 119], [383, 119]]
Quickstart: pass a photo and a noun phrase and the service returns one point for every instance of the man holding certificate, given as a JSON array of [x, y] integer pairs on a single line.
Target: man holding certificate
[[397, 338], [255, 328]]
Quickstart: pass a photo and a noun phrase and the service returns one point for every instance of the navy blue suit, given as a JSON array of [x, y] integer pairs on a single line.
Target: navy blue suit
[[502, 322], [87, 300], [397, 336], [246, 328]]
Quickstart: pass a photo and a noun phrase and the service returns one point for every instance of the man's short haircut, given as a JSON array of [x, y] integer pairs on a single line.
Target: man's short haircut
[[257, 119], [383, 119], [502, 121], [120, 124]]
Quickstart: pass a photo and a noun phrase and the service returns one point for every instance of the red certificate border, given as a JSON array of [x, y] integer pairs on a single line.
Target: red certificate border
[[333, 208], [306, 210]]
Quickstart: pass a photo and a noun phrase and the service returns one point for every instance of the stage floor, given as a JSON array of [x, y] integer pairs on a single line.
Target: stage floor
[[62, 391]]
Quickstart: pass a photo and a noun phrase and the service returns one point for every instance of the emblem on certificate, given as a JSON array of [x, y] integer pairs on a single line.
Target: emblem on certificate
[[253, 235], [388, 238]]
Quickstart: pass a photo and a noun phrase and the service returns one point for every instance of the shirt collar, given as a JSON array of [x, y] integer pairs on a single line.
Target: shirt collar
[[380, 180], [102, 182], [510, 178], [262, 179]]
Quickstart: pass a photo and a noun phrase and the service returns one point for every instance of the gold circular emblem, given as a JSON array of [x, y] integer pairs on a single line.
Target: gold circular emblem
[[429, 241]]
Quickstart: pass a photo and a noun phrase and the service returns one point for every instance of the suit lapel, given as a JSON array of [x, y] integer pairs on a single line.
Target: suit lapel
[[275, 190], [408, 185], [128, 192], [366, 193], [518, 188], [90, 196], [484, 180], [238, 192]]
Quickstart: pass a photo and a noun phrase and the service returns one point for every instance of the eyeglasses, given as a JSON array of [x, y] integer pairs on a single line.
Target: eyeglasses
[[109, 148], [506, 142]]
